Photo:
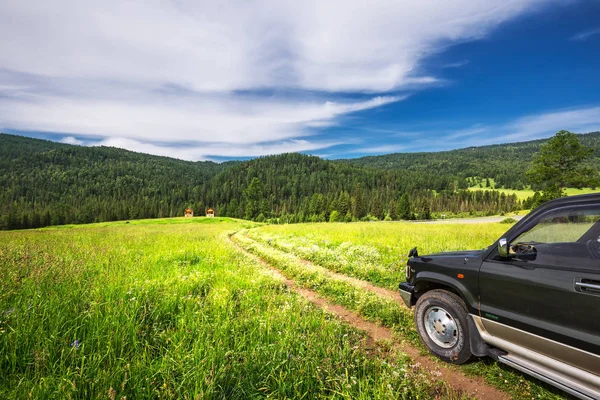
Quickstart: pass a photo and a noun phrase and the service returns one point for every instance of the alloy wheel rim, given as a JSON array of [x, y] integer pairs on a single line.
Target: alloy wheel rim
[[441, 327]]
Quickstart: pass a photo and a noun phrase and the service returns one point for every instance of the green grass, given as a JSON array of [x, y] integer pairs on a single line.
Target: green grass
[[525, 193], [389, 243], [358, 261], [168, 309], [377, 252], [370, 305]]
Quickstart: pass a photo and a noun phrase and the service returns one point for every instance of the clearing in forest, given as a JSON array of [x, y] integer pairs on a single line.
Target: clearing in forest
[[173, 309]]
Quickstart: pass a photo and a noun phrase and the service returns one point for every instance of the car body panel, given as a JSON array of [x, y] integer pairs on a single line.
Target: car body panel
[[541, 301], [577, 371], [445, 269]]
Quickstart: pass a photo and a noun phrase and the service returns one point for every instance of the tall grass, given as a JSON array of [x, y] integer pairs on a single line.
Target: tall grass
[[370, 305], [170, 310], [359, 261], [388, 244], [393, 240], [381, 249]]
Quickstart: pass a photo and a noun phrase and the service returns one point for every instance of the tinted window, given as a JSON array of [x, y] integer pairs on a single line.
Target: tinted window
[[564, 237]]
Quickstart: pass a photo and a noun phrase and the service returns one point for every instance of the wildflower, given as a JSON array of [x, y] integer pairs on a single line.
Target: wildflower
[[75, 344]]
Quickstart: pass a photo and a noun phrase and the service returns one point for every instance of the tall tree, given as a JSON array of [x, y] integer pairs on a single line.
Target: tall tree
[[560, 164], [253, 195], [404, 211]]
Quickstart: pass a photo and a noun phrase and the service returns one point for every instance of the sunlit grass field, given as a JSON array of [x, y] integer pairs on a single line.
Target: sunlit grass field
[[169, 309], [525, 193], [377, 252], [392, 241]]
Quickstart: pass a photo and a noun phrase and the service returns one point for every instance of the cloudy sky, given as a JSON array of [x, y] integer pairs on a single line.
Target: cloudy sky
[[225, 79]]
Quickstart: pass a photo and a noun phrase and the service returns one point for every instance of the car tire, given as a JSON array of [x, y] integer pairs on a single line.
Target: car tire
[[441, 320]]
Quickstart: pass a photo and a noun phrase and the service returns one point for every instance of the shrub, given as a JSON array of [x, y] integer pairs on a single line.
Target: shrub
[[334, 216], [369, 218]]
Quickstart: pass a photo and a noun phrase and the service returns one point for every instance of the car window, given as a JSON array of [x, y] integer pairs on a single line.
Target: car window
[[564, 237], [561, 226]]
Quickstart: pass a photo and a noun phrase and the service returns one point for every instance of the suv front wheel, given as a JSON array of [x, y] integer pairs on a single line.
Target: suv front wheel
[[441, 319]]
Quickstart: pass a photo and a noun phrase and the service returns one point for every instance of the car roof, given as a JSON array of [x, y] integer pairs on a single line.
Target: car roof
[[580, 198]]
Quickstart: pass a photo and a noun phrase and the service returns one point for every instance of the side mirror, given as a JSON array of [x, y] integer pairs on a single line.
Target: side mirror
[[503, 247]]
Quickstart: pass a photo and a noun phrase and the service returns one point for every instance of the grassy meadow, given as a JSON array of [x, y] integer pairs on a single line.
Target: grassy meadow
[[523, 194], [377, 252], [171, 309]]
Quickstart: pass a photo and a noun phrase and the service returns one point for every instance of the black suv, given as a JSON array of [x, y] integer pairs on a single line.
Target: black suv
[[531, 300]]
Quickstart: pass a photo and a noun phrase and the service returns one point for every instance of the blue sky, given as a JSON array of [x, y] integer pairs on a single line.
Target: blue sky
[[226, 80]]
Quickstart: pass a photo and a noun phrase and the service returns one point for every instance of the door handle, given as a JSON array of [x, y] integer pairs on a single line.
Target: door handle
[[587, 286]]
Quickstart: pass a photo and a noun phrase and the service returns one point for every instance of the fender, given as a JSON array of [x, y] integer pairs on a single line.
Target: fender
[[458, 286]]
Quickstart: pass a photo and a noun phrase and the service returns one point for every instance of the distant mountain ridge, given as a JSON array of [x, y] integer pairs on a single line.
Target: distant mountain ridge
[[506, 163], [54, 183], [48, 183]]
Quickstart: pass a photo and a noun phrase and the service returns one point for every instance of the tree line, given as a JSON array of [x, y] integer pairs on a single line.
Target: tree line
[[300, 188], [46, 183], [507, 163]]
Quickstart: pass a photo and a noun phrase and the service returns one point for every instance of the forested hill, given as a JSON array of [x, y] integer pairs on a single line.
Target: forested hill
[[47, 183], [506, 163]]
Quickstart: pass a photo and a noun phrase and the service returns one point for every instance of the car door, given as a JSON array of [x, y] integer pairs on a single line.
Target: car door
[[546, 295]]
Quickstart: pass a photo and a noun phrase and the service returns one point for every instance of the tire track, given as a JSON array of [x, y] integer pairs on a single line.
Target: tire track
[[460, 383], [349, 279]]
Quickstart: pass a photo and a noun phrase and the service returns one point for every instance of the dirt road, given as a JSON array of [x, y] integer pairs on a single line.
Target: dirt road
[[468, 220], [458, 383]]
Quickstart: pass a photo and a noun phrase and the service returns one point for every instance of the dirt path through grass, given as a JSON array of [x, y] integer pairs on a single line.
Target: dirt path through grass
[[357, 282], [479, 220], [457, 381]]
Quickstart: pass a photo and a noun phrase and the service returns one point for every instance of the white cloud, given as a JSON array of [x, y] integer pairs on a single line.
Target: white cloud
[[532, 127], [204, 119], [71, 140], [337, 45], [582, 36], [456, 64], [199, 152], [164, 71], [381, 149], [471, 132]]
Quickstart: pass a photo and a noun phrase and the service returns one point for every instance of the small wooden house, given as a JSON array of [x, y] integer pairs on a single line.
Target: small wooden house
[[210, 213], [188, 212]]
